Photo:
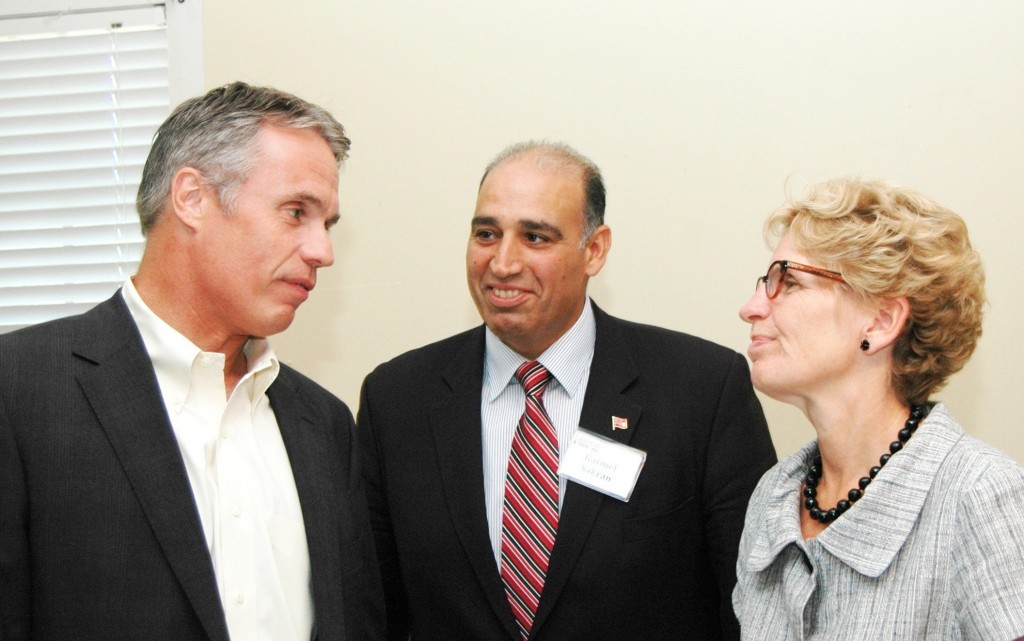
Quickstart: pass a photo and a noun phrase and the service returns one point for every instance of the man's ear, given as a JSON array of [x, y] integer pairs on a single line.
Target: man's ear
[[888, 323], [598, 246], [188, 193]]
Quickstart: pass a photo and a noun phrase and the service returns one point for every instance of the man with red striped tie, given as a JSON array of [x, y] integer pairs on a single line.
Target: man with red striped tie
[[557, 473]]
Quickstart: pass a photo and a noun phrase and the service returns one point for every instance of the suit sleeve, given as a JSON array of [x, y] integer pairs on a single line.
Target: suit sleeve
[[740, 450], [15, 578], [374, 484], [990, 555]]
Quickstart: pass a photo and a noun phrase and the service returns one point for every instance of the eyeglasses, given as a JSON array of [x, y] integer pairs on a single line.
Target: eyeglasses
[[777, 271]]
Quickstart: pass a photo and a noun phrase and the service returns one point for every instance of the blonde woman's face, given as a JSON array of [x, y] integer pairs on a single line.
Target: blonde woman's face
[[806, 341]]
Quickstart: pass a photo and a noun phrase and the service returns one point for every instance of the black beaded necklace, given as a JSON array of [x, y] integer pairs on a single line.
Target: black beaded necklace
[[917, 412]]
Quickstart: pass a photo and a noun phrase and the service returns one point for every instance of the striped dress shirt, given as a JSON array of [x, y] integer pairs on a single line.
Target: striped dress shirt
[[503, 400], [934, 550]]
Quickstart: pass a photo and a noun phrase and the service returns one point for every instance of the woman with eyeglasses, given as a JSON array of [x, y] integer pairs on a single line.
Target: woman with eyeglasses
[[893, 523]]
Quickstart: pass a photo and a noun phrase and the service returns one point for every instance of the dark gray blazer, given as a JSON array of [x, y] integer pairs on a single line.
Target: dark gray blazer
[[661, 566], [99, 534]]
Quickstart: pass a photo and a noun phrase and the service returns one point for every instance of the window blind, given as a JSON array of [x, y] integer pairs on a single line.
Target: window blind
[[78, 110]]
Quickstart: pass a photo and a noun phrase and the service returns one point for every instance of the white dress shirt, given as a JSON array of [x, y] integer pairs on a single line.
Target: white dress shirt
[[241, 479], [503, 400]]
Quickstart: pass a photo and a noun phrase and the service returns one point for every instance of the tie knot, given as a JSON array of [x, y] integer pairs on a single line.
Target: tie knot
[[534, 378]]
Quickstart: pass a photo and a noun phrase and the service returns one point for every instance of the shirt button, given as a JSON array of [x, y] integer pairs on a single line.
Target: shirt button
[[239, 598], [236, 511]]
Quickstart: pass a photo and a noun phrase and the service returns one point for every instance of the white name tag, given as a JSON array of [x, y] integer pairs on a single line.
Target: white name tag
[[602, 464]]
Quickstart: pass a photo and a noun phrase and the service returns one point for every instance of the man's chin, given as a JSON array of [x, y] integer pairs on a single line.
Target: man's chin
[[505, 325], [277, 323]]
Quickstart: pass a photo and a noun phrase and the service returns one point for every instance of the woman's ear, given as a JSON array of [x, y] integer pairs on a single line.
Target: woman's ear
[[888, 323]]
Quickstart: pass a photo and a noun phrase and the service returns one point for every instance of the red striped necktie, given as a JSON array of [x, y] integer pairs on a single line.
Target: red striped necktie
[[529, 521]]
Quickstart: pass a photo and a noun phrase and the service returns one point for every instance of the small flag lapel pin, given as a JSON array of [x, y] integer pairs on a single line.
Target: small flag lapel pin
[[619, 423]]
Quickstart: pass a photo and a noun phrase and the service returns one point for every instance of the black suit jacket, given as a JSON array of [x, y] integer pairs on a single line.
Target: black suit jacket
[[661, 566], [100, 538]]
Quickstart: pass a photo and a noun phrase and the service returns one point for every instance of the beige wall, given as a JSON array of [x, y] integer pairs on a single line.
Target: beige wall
[[700, 115]]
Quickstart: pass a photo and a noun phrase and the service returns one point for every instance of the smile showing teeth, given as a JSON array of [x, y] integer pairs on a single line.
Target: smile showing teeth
[[506, 293]]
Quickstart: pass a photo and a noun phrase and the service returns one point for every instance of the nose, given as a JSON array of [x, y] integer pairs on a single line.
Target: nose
[[756, 307], [506, 260], [318, 251]]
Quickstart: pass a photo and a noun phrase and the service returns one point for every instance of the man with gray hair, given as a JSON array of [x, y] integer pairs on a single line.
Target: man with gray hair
[[557, 473], [162, 474]]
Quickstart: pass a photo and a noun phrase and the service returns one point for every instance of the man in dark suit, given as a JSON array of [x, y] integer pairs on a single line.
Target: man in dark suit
[[162, 475], [463, 528]]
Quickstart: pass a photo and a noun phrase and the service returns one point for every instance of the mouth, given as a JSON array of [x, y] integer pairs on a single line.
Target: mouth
[[505, 297], [756, 341], [506, 294], [301, 286], [305, 283]]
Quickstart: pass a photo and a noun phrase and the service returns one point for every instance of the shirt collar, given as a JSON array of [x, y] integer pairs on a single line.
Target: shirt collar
[[568, 358], [173, 355], [263, 367], [779, 525], [895, 498]]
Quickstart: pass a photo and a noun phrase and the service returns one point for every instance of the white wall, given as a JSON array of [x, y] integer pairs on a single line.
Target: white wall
[[700, 115]]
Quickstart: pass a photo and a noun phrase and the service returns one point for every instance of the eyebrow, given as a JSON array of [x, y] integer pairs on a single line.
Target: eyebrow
[[532, 225], [306, 197], [525, 225]]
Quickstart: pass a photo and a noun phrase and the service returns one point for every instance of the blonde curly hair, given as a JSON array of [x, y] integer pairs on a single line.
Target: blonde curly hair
[[889, 242]]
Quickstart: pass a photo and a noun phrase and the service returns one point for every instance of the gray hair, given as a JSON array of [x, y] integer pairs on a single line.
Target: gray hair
[[561, 157], [218, 134]]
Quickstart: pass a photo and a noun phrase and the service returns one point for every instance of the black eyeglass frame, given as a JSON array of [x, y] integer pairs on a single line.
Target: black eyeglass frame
[[786, 265]]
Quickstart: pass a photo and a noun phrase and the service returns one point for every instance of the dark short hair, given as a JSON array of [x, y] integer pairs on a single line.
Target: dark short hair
[[561, 156]]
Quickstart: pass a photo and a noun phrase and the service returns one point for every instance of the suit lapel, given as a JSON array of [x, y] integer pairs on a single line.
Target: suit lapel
[[611, 372], [456, 425], [117, 378], [311, 450]]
